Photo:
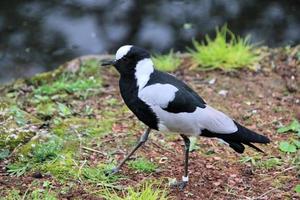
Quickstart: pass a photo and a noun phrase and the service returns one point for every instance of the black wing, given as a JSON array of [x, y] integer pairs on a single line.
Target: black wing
[[186, 100]]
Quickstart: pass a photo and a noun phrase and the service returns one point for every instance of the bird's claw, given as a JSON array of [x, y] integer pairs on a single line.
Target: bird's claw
[[112, 171], [180, 185]]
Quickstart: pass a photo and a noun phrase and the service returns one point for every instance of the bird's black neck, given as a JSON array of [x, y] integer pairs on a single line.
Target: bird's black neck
[[129, 92]]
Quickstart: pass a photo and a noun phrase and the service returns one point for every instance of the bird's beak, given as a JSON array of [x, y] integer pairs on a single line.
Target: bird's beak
[[108, 62]]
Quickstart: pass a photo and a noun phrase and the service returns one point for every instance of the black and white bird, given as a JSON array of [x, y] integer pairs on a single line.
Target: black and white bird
[[165, 103]]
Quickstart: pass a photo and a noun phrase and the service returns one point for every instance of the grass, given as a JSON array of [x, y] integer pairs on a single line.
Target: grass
[[226, 51], [168, 63], [36, 194], [142, 165], [18, 169], [147, 191], [86, 79], [47, 150], [97, 174], [66, 85]]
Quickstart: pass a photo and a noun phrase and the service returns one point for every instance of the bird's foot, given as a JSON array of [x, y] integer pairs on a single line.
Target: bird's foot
[[179, 184], [111, 172]]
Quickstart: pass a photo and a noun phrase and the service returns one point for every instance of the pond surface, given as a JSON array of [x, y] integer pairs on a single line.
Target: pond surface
[[38, 35]]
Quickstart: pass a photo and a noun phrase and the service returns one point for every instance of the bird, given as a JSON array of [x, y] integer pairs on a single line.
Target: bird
[[164, 103]]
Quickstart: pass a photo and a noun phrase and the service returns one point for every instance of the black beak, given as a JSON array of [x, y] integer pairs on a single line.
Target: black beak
[[108, 62]]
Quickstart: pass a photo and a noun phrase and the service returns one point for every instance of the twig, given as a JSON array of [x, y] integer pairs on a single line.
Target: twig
[[267, 192], [94, 150], [165, 149], [24, 196], [236, 195], [110, 186], [287, 169], [276, 174]]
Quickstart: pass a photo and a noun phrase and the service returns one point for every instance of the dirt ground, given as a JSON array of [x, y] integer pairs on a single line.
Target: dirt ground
[[263, 101]]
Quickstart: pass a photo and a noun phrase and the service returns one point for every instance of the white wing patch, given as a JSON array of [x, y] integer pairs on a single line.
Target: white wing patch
[[158, 94], [192, 123], [216, 121], [143, 70]]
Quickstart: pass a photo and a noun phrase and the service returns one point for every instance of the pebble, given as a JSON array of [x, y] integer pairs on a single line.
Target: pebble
[[212, 81], [209, 166], [37, 175], [223, 93]]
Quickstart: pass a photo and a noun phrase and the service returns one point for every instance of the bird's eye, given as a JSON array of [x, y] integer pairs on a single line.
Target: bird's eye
[[125, 58]]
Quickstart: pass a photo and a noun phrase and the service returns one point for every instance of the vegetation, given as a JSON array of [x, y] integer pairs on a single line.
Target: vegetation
[[85, 82], [226, 51], [147, 191], [47, 150], [293, 144], [168, 63], [143, 165], [97, 174]]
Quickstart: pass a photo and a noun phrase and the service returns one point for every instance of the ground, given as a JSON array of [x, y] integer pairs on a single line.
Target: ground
[[94, 128]]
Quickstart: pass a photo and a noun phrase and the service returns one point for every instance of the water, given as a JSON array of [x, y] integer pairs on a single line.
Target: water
[[37, 35]]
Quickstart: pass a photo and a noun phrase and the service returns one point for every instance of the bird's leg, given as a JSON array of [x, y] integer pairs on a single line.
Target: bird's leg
[[185, 178], [142, 140]]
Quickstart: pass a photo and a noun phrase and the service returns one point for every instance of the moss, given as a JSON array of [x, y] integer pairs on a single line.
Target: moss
[[82, 82], [17, 127], [46, 109], [63, 167], [21, 117], [46, 77], [13, 137], [83, 126]]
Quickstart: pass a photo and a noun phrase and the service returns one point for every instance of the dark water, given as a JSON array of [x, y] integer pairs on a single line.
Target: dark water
[[38, 35]]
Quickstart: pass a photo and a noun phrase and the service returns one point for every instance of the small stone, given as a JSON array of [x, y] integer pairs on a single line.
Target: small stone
[[248, 103], [37, 175], [209, 166], [254, 111], [223, 93], [212, 81], [217, 183], [217, 158]]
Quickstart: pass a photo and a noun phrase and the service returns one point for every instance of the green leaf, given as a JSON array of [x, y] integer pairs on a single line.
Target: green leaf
[[64, 110], [297, 188], [287, 147], [4, 153], [297, 143], [293, 126], [193, 146], [283, 129]]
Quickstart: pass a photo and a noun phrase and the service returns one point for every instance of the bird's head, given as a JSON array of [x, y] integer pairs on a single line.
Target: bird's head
[[128, 58]]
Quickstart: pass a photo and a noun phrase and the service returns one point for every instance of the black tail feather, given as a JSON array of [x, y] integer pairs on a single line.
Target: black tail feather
[[240, 137], [238, 147]]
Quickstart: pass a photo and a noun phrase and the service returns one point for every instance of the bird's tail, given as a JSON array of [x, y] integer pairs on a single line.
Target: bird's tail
[[241, 137]]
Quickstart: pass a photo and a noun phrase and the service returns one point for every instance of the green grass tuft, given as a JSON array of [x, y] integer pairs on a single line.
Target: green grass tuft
[[142, 165], [226, 51], [65, 85], [47, 150], [167, 63], [97, 174], [18, 169], [87, 79], [147, 191]]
